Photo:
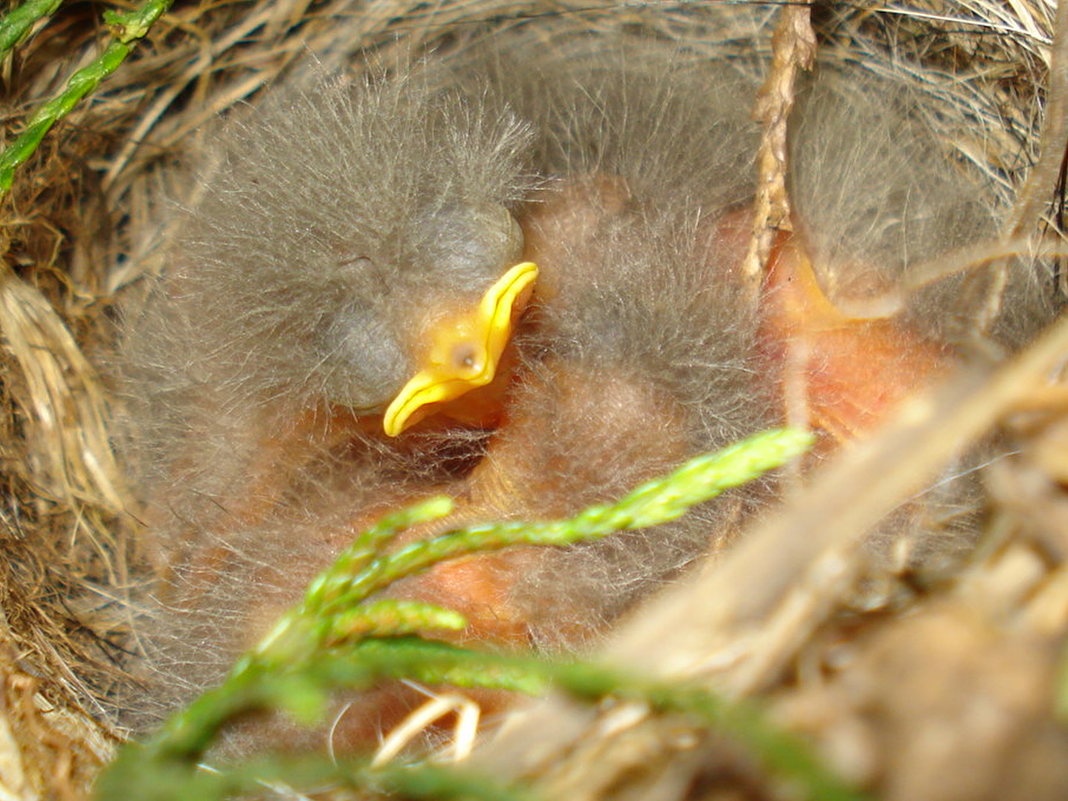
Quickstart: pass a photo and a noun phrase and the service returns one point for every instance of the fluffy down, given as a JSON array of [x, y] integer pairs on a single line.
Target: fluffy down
[[338, 213]]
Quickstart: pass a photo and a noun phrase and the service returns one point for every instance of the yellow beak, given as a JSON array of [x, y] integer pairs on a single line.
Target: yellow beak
[[464, 351]]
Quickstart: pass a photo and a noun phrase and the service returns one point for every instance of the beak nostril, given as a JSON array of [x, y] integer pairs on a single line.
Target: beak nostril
[[465, 357]]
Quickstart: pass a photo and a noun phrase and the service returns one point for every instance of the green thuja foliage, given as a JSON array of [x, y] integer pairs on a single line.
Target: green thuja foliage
[[16, 23], [339, 637], [126, 28]]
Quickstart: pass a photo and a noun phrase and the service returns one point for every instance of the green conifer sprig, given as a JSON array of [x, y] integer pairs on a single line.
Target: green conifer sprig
[[17, 22], [126, 27], [361, 570], [341, 637]]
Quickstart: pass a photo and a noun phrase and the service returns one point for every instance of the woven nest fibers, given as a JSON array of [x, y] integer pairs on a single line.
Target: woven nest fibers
[[744, 216]]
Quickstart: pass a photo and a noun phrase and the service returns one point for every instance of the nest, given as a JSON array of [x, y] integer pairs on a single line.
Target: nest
[[941, 688]]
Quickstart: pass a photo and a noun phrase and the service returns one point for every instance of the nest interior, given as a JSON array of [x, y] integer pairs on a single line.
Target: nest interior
[[917, 683]]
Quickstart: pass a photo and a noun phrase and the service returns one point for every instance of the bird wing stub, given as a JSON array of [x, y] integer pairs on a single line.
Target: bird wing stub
[[464, 349]]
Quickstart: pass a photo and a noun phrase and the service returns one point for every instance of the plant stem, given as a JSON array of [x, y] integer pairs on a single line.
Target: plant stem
[[126, 28], [18, 21]]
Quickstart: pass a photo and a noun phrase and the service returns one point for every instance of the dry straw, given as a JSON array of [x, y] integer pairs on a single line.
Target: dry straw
[[80, 226]]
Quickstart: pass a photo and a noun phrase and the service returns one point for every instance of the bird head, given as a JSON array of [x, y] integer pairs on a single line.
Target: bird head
[[356, 246]]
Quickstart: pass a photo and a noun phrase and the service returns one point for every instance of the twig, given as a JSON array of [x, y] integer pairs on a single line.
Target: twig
[[138, 772], [356, 575], [793, 47], [1054, 138]]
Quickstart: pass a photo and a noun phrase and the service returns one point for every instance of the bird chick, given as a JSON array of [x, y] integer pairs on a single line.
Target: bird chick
[[640, 346], [879, 189], [878, 192], [353, 249]]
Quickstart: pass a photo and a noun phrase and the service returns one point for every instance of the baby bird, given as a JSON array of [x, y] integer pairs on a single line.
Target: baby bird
[[358, 255], [877, 192]]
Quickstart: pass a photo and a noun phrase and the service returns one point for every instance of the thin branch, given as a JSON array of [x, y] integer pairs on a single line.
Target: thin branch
[[16, 23], [793, 48], [127, 28]]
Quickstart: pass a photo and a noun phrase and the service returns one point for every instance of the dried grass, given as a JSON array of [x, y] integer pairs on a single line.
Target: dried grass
[[81, 226]]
